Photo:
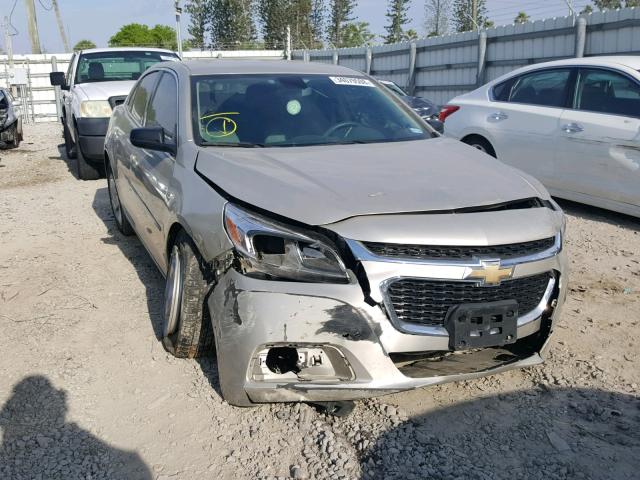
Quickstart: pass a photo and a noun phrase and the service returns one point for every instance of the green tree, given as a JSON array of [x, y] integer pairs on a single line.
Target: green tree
[[274, 17], [437, 17], [522, 17], [83, 45], [133, 34], [587, 10], [409, 35], [306, 19], [397, 18], [231, 23], [198, 11], [340, 13], [614, 4], [318, 21], [138, 35], [163, 36], [470, 14], [356, 34]]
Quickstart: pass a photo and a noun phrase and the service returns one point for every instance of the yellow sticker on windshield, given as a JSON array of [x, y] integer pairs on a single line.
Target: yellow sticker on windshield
[[220, 124]]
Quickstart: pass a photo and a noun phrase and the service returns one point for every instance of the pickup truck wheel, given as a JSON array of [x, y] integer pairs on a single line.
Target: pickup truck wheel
[[116, 207], [69, 147], [84, 169], [186, 329]]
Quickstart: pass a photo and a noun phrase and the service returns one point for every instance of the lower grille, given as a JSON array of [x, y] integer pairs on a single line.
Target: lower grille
[[426, 302]]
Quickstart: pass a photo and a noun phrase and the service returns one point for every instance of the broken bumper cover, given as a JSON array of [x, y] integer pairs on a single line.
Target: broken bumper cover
[[361, 353]]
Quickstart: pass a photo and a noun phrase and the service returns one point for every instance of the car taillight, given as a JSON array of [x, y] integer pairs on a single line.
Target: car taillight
[[446, 111]]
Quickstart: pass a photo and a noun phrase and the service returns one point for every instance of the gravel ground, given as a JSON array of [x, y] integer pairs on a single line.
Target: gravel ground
[[87, 392]]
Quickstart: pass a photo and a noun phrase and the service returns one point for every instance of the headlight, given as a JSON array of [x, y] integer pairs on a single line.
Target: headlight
[[276, 250], [95, 109]]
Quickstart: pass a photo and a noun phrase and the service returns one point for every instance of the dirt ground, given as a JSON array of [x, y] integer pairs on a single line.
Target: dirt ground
[[87, 391]]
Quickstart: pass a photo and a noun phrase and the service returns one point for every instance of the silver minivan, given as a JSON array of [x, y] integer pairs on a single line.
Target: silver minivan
[[323, 239]]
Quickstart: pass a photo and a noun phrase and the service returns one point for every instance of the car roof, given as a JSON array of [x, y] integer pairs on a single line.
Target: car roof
[[220, 66], [604, 61], [127, 49]]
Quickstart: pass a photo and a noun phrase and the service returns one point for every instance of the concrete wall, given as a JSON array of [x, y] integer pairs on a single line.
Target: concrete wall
[[41, 95], [451, 65]]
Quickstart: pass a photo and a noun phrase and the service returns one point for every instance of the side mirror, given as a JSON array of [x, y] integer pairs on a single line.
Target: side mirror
[[57, 79], [152, 138]]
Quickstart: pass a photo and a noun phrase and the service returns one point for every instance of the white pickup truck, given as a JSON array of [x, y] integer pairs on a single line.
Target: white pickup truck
[[97, 80]]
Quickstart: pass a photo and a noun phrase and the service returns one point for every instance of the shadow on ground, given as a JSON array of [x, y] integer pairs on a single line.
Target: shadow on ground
[[537, 434], [71, 163], [38, 442], [599, 214], [148, 273]]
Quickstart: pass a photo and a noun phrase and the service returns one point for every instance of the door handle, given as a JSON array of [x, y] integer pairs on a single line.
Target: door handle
[[497, 116], [572, 128]]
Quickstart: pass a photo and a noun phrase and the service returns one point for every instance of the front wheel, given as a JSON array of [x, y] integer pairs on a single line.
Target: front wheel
[[84, 169], [186, 330], [116, 206], [15, 142], [69, 147]]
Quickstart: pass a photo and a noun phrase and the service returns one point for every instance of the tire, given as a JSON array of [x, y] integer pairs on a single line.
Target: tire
[[480, 143], [69, 147], [116, 206], [15, 143], [186, 329], [84, 169]]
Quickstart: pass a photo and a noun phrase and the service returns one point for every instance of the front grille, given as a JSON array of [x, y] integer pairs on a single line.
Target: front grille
[[426, 302], [115, 101], [427, 252]]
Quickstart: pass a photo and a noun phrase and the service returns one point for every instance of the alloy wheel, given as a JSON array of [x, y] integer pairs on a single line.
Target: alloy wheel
[[172, 294]]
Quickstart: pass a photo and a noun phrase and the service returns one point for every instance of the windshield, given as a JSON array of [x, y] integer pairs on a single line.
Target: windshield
[[295, 110], [115, 66], [394, 88]]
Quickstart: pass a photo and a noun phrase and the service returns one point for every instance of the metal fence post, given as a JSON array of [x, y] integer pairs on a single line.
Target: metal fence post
[[305, 56], [368, 58], [581, 37], [482, 57], [335, 57], [56, 89], [411, 80]]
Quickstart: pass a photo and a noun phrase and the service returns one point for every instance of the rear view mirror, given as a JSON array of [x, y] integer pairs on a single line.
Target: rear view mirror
[[152, 138], [57, 79]]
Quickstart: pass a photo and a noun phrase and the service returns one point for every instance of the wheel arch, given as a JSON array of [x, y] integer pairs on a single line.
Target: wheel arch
[[477, 136]]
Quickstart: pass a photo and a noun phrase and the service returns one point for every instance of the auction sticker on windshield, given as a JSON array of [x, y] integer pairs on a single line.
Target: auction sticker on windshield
[[354, 81]]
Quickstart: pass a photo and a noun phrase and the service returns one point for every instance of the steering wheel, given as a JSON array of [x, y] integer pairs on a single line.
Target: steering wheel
[[339, 126]]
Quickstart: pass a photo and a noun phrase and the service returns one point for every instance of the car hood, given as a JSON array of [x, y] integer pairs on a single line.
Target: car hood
[[320, 185], [105, 90]]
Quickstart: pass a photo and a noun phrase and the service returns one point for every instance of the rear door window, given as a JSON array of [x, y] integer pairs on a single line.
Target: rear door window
[[545, 88], [140, 96], [606, 91]]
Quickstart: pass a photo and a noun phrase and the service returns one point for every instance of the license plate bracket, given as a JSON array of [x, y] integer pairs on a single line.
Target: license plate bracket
[[479, 325]]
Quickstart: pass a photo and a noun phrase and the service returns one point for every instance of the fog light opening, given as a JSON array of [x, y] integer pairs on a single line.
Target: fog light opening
[[283, 360]]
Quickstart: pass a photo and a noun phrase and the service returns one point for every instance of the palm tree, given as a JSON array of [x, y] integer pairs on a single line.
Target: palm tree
[[522, 17]]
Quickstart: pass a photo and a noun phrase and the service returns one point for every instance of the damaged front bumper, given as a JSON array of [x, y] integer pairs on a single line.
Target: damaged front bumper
[[293, 341]]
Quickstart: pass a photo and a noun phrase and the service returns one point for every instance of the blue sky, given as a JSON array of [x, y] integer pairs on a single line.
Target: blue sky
[[97, 20]]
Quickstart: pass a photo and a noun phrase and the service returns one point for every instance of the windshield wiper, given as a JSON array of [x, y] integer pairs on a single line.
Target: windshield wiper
[[237, 144]]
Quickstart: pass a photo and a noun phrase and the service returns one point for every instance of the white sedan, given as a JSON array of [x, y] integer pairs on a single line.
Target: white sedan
[[574, 124]]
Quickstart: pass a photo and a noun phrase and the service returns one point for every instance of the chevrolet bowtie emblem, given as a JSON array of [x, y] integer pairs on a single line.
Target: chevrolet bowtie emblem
[[490, 273]]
